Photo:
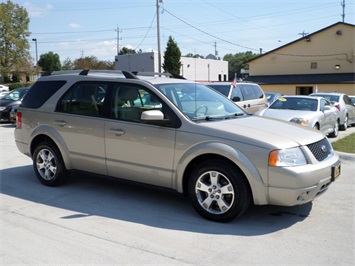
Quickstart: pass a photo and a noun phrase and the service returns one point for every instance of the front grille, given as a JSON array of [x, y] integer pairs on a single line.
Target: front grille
[[321, 149]]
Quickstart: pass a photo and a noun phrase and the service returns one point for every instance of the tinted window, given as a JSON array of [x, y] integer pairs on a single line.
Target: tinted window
[[84, 98], [224, 89], [347, 100], [258, 92], [248, 91], [40, 92], [236, 92]]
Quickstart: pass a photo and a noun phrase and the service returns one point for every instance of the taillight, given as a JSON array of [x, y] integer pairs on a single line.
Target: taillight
[[18, 119], [337, 106]]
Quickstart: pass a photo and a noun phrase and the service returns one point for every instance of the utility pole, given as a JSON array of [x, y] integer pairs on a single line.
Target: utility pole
[[215, 49], [158, 34], [343, 15], [118, 40]]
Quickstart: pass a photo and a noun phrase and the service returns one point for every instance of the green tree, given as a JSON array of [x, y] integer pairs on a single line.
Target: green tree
[[237, 62], [67, 64], [50, 62], [194, 55], [172, 57], [91, 62], [126, 50], [14, 46]]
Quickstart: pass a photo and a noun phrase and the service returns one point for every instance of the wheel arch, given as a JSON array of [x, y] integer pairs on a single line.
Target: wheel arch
[[50, 135], [223, 152]]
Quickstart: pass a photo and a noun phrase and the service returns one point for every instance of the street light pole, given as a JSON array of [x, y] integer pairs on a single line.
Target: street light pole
[[35, 40], [158, 34]]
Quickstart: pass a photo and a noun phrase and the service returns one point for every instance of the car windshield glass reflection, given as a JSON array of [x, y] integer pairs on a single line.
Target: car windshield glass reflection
[[300, 104], [199, 102]]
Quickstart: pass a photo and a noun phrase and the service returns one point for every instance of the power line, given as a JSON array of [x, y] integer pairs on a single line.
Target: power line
[[209, 34]]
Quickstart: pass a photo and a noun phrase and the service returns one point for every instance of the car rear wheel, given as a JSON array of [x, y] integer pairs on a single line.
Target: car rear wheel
[[48, 165], [345, 125], [335, 132], [219, 191]]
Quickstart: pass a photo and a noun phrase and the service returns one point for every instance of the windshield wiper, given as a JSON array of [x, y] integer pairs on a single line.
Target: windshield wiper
[[207, 118]]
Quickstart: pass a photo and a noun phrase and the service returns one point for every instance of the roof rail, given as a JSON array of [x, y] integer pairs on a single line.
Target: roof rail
[[126, 74], [169, 75]]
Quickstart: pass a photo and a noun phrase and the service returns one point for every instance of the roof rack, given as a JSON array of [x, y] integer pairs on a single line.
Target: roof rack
[[126, 74], [169, 75]]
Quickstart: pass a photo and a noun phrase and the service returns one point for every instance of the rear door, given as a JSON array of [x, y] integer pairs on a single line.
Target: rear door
[[79, 119]]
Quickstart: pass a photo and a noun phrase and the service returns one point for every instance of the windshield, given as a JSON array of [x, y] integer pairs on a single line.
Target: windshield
[[199, 102], [14, 95], [302, 104]]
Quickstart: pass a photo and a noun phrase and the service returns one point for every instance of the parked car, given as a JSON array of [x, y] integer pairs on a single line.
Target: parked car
[[3, 88], [352, 99], [272, 96], [9, 100], [184, 136], [344, 105], [313, 112], [248, 96]]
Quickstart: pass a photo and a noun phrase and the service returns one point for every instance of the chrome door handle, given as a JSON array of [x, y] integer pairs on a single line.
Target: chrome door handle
[[116, 131], [60, 123]]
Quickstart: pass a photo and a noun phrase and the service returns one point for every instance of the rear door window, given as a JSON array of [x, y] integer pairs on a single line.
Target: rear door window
[[248, 92], [84, 98]]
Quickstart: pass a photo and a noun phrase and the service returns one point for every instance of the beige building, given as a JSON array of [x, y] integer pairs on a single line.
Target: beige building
[[322, 61]]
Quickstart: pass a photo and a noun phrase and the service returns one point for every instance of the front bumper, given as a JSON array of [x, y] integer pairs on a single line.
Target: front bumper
[[298, 185]]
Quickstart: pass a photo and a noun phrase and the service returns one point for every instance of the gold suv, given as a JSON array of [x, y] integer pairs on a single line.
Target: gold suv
[[172, 133]]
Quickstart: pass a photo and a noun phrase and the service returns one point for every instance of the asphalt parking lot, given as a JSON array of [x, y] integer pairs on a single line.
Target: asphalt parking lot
[[99, 221]]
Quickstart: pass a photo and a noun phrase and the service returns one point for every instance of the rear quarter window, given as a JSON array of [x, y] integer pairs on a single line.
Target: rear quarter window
[[40, 92]]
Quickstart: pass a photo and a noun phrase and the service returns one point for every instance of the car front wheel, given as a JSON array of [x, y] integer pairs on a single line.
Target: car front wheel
[[219, 191], [48, 165]]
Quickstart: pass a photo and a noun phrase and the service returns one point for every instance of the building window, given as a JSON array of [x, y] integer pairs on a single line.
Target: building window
[[313, 65]]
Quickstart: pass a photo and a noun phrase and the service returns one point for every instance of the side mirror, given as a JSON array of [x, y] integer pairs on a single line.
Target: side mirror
[[236, 99], [155, 117], [326, 108]]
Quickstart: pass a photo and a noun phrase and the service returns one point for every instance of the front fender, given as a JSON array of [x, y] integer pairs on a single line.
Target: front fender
[[259, 189], [50, 132]]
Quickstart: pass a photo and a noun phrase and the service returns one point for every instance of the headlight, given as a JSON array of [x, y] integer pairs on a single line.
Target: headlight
[[287, 157], [2, 108], [299, 120]]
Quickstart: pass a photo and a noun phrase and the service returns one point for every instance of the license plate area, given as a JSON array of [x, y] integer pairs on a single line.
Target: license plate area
[[336, 170]]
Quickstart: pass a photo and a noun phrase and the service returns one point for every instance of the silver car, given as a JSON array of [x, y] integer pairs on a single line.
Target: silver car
[[344, 105], [172, 133], [313, 112]]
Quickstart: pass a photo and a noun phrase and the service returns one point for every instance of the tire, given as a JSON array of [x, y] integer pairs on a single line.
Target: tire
[[345, 125], [48, 165], [219, 199], [316, 126], [335, 132]]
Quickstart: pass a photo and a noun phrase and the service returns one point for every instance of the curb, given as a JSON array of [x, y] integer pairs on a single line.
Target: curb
[[346, 156]]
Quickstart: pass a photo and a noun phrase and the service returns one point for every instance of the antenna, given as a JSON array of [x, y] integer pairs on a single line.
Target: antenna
[[343, 5], [303, 33]]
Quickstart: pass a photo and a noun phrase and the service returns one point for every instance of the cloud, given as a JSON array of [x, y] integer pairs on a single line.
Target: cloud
[[74, 25], [35, 11]]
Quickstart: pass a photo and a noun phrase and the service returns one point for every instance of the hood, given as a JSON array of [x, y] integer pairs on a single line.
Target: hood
[[287, 115], [262, 131], [9, 103]]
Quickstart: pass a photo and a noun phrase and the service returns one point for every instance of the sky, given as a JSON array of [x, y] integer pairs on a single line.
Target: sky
[[80, 28]]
